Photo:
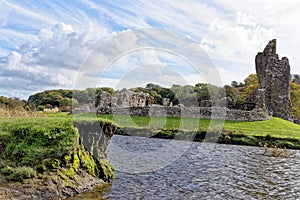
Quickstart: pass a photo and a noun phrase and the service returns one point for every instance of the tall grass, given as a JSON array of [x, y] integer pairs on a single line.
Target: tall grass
[[6, 111]]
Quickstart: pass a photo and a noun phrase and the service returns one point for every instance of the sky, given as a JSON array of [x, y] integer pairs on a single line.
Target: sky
[[83, 43]]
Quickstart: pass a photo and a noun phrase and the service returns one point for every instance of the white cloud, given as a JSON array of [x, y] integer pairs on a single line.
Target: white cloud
[[47, 41], [236, 40], [275, 19]]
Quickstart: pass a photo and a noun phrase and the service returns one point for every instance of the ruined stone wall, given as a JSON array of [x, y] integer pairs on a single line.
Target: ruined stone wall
[[192, 112], [138, 104], [124, 99], [274, 78]]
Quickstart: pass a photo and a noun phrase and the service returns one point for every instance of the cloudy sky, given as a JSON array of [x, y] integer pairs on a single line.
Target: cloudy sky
[[54, 44]]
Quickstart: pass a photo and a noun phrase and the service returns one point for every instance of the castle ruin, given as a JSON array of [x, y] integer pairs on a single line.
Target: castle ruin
[[271, 99], [274, 82]]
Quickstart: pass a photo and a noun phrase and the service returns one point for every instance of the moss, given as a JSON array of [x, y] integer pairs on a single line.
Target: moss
[[87, 161], [68, 172], [67, 159], [107, 170], [76, 162], [48, 164]]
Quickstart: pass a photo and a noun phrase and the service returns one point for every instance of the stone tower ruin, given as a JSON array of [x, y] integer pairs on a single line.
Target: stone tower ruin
[[274, 79]]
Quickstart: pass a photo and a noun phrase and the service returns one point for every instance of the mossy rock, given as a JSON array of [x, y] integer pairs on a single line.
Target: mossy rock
[[107, 172], [48, 164]]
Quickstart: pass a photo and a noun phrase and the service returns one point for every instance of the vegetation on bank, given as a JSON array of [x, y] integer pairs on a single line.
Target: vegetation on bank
[[275, 126], [33, 146], [40, 149], [273, 132]]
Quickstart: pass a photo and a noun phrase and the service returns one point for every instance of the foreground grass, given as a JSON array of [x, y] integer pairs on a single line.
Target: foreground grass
[[27, 141], [43, 147]]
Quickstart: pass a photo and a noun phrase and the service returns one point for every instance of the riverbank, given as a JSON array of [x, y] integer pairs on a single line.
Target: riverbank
[[45, 157], [275, 132]]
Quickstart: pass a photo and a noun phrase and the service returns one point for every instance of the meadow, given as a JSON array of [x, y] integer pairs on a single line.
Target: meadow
[[274, 127]]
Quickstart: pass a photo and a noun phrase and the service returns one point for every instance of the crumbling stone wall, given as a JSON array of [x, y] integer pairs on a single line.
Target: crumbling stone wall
[[166, 102], [105, 101], [140, 104], [192, 112], [274, 81], [134, 99]]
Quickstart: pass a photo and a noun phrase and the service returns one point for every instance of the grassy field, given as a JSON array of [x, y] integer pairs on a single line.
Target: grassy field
[[274, 127]]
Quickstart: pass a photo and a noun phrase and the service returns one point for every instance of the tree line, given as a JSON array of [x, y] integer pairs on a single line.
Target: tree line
[[188, 95]]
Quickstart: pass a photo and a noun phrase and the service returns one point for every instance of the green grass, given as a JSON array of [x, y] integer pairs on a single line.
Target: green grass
[[275, 127], [30, 144], [157, 123], [27, 141]]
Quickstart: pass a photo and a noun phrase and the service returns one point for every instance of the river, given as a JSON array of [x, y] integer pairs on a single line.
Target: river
[[152, 169]]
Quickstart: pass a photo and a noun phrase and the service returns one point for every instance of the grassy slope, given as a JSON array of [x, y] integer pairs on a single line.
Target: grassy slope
[[40, 148], [275, 127], [27, 141]]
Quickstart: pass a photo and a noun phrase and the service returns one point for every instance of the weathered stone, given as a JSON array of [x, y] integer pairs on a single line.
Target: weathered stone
[[85, 108], [193, 112], [206, 103], [138, 104], [224, 102], [134, 99], [274, 77], [258, 99], [166, 102], [260, 103], [105, 101]]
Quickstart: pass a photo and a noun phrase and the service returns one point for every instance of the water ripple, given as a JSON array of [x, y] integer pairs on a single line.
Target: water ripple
[[226, 172]]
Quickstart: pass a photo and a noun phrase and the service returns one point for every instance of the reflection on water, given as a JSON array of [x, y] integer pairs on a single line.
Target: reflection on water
[[98, 193], [226, 172]]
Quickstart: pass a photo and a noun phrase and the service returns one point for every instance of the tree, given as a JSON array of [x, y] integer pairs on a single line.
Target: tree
[[234, 84], [252, 79], [140, 89], [105, 89], [232, 93], [295, 99], [75, 103], [157, 97], [296, 78], [64, 102], [185, 95], [251, 84], [202, 91]]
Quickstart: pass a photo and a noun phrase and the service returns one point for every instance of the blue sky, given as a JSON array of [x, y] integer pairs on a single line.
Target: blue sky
[[44, 44]]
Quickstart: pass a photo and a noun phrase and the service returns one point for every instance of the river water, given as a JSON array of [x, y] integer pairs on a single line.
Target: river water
[[196, 171]]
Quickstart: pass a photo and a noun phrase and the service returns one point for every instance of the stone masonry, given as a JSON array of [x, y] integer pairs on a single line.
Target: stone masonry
[[141, 104], [274, 80], [105, 101]]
